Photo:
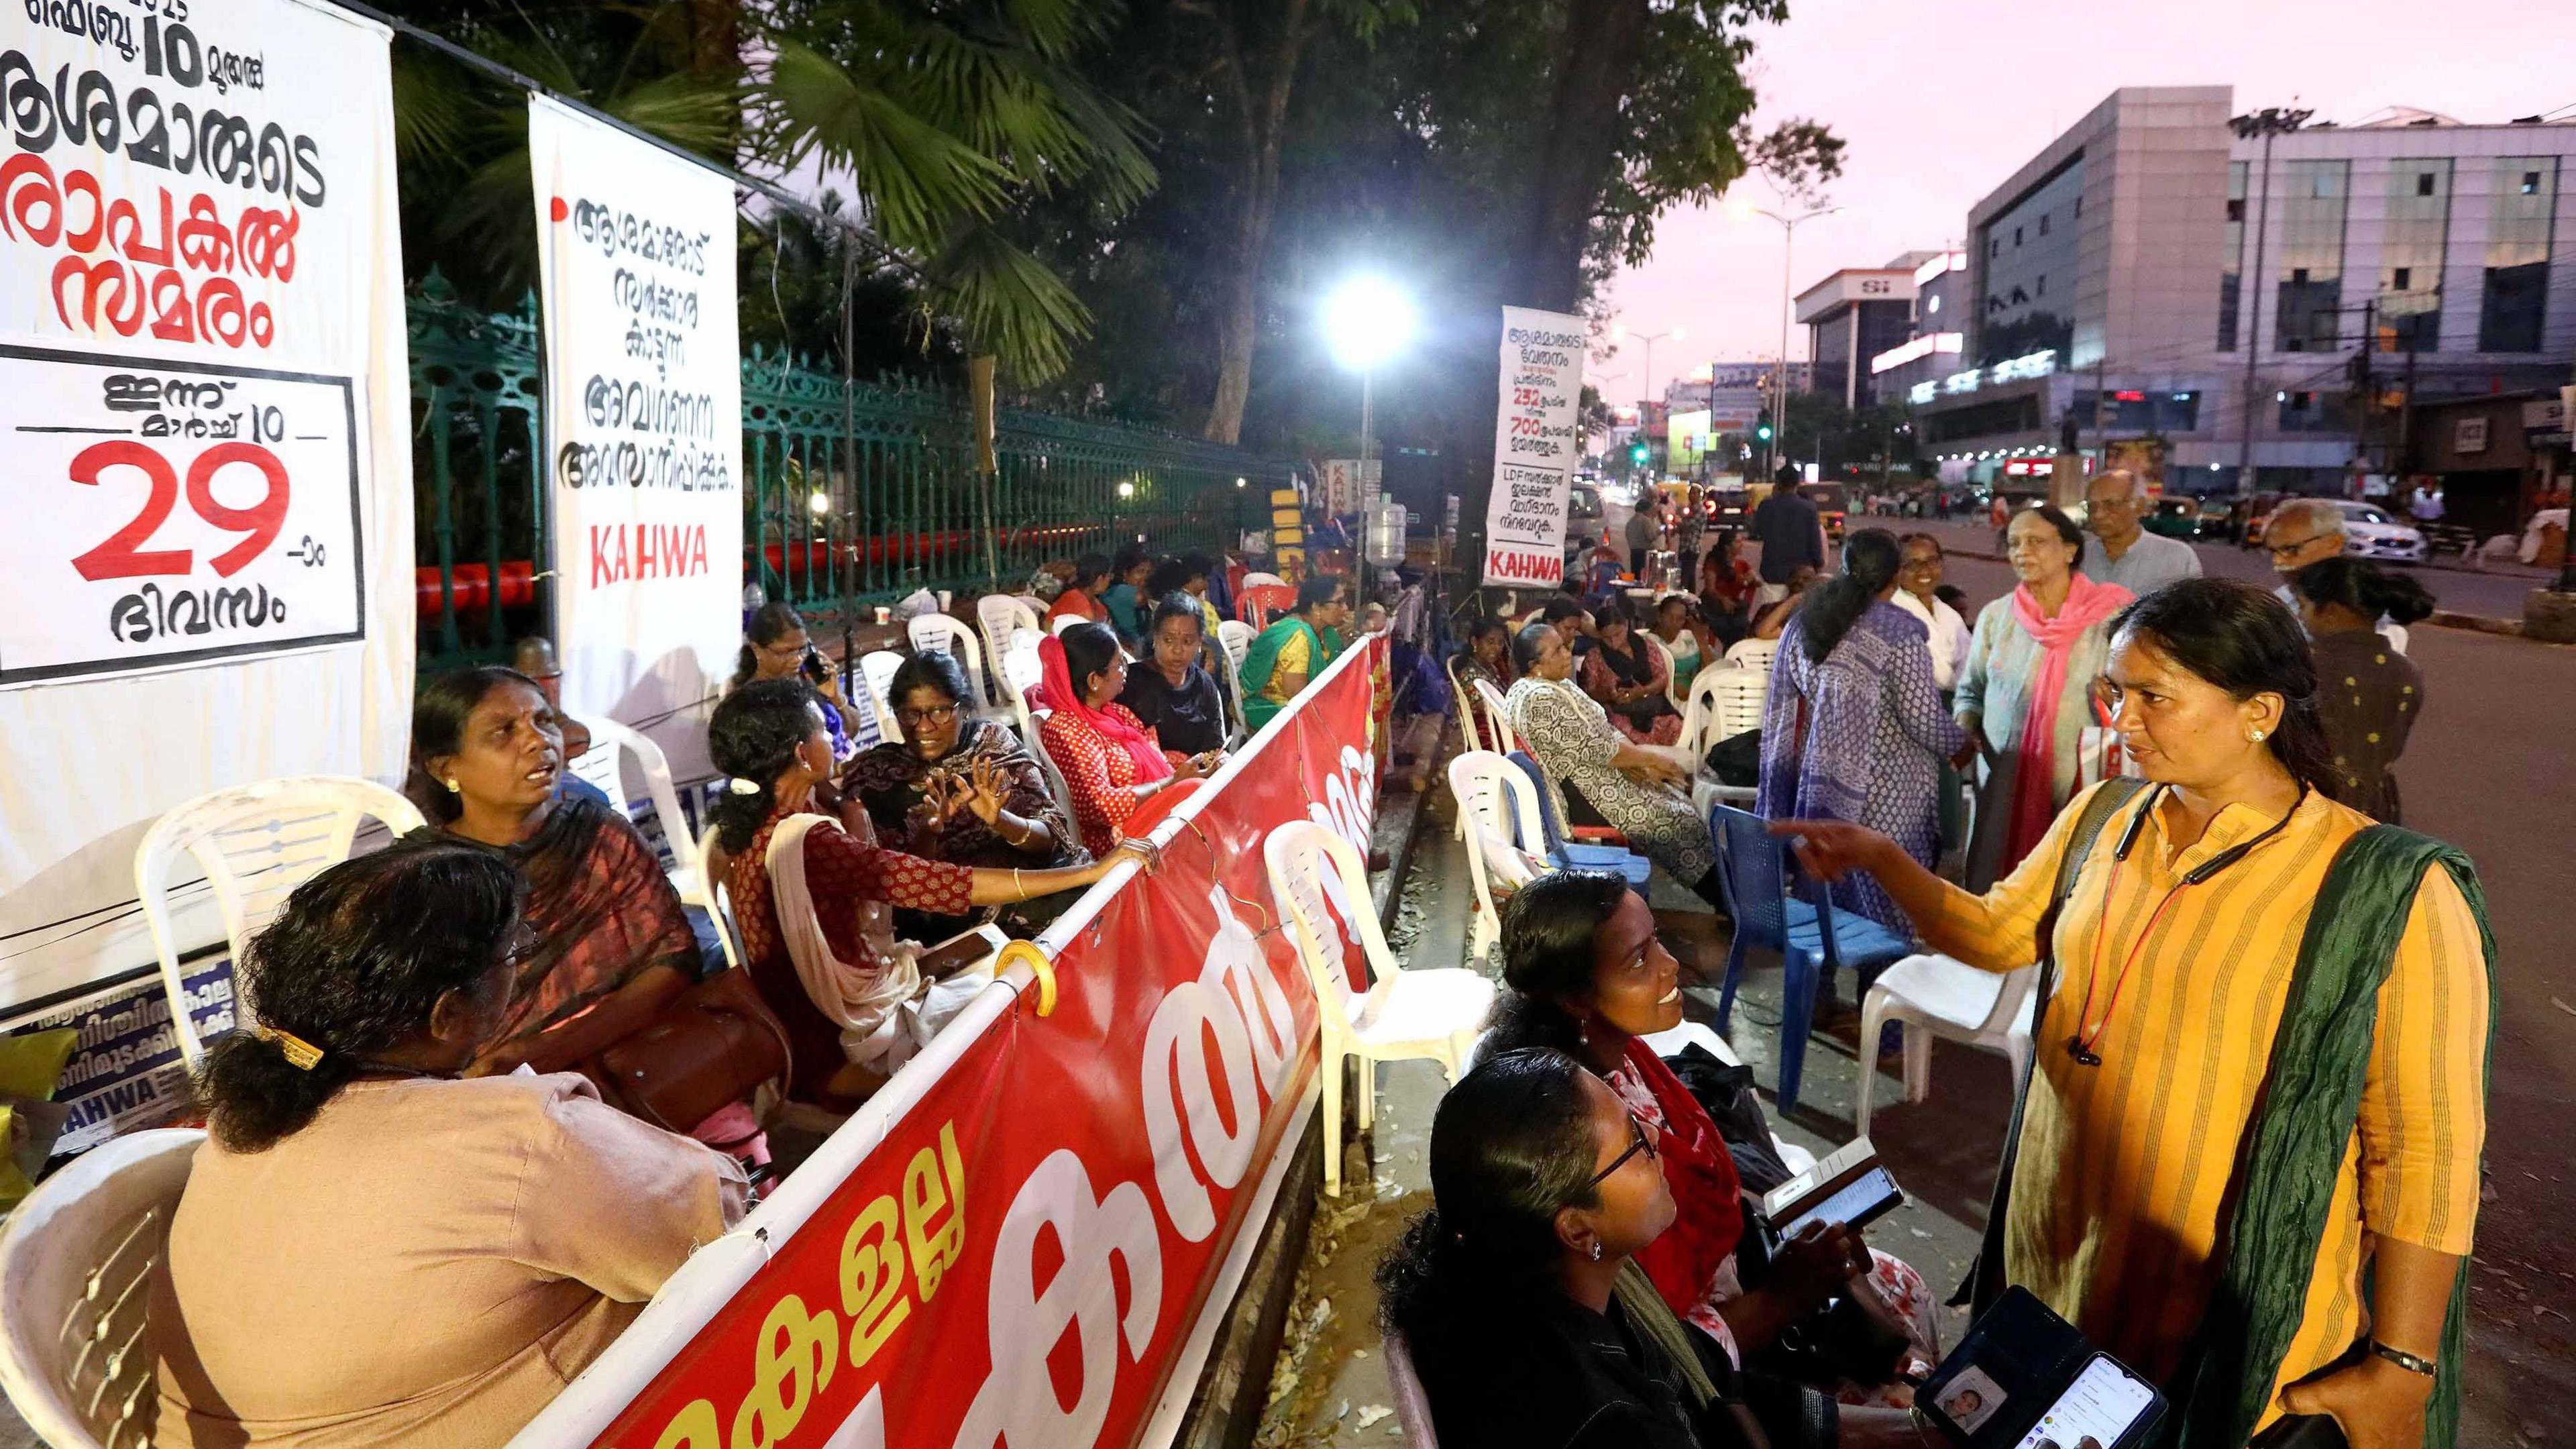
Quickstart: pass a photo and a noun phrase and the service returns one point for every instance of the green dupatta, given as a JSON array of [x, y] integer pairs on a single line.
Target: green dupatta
[[1262, 660], [2310, 1107]]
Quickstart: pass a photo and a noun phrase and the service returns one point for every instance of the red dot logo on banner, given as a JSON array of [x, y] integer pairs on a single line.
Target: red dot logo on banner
[[559, 210]]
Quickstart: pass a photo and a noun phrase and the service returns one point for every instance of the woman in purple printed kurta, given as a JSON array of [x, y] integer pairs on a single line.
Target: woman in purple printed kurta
[[1859, 733]]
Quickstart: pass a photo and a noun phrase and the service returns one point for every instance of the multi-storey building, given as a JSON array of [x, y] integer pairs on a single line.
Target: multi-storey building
[[2399, 261]]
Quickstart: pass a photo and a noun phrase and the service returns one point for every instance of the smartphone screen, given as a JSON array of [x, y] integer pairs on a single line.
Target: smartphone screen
[[1859, 1201], [2102, 1404]]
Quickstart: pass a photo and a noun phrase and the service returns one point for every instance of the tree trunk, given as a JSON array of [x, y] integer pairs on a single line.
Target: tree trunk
[[1261, 105], [1604, 45]]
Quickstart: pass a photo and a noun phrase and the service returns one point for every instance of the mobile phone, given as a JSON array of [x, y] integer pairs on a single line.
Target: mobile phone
[[2104, 1404], [1849, 1186], [815, 669], [961, 951]]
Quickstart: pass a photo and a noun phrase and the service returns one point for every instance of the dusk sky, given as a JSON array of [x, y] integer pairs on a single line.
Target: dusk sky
[[1942, 100]]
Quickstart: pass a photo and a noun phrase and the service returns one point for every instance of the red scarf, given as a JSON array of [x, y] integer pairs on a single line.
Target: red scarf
[[2034, 805], [1056, 688], [1684, 1261]]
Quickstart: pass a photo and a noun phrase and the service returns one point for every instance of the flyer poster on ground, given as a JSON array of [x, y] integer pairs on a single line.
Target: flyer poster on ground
[[1534, 448]]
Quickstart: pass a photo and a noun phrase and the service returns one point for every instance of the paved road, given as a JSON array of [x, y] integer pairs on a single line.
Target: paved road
[[2492, 768], [2495, 593]]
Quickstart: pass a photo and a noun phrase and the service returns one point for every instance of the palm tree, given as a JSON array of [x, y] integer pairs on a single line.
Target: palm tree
[[945, 116]]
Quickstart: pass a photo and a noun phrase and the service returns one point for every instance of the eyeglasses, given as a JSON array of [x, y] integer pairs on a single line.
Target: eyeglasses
[[936, 714], [1643, 1140], [2291, 549], [524, 943]]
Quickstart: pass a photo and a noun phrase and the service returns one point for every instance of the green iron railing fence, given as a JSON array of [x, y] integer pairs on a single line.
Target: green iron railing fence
[[851, 497]]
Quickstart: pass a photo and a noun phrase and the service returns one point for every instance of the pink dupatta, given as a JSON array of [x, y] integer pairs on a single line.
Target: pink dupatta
[[2034, 803], [1056, 681]]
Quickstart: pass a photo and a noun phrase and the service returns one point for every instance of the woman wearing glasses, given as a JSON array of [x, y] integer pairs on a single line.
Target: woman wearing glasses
[[2247, 972], [1587, 977], [960, 790]]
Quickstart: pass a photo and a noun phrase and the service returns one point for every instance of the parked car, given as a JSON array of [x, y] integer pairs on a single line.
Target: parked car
[[2371, 532]]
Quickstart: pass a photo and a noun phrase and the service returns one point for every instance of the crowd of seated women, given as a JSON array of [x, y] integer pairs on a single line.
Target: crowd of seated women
[[416, 1123]]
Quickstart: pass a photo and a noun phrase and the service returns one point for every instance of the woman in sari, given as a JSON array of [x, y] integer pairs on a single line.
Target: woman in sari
[[1111, 761], [2248, 1153], [1852, 728], [612, 945], [1627, 676], [961, 790], [1641, 791], [777, 646], [2026, 691], [853, 999], [1081, 596], [1295, 648]]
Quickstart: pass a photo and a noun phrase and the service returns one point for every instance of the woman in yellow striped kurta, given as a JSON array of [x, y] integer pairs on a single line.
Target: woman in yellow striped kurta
[[2177, 990]]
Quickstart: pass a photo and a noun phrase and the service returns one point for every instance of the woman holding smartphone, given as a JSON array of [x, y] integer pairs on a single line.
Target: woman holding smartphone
[[777, 646]]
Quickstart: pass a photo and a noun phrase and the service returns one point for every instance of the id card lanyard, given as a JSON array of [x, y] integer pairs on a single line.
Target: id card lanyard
[[2084, 1045]]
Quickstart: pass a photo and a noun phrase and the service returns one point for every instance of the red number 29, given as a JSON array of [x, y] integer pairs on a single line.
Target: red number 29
[[122, 555]]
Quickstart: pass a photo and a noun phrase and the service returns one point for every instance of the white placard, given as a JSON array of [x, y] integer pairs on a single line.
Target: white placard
[[223, 501], [1534, 447], [206, 564], [644, 409]]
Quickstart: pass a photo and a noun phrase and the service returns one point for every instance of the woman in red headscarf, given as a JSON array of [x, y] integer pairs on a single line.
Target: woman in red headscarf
[[1110, 760]]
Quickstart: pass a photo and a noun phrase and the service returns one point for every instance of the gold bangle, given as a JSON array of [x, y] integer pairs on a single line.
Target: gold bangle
[[1019, 885]]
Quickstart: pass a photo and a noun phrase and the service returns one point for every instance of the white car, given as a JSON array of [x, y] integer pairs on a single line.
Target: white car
[[2371, 532]]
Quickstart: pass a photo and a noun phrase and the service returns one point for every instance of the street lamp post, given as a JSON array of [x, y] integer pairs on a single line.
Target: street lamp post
[[1788, 307], [2267, 123], [1646, 377], [1366, 322]]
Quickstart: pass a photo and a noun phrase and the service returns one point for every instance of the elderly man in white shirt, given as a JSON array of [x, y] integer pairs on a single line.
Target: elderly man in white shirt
[[1917, 576], [2303, 531], [2115, 510]]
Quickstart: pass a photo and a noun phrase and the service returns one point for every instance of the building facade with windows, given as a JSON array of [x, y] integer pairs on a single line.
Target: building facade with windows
[[2396, 262], [1853, 315]]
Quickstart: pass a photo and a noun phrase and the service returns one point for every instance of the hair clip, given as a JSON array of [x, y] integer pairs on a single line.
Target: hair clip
[[300, 1054], [743, 787]]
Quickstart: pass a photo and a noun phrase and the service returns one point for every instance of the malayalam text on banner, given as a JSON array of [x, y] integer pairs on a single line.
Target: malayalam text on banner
[[1535, 446], [644, 416], [186, 512]]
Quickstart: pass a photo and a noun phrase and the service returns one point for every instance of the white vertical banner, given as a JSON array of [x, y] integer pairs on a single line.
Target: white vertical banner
[[1534, 448], [644, 423], [205, 457]]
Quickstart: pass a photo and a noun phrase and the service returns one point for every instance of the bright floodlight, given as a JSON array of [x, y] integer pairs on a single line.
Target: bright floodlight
[[1367, 321], [820, 502]]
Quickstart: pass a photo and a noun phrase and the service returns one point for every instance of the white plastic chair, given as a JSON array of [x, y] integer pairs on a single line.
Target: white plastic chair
[[1064, 622], [876, 675], [1002, 616], [1496, 719], [256, 843], [1022, 668], [930, 633], [1939, 996], [1672, 668], [76, 1259], [1467, 732], [1498, 815], [719, 900], [1235, 637], [1428, 1015], [610, 743], [2396, 636], [1256, 580], [1754, 653]]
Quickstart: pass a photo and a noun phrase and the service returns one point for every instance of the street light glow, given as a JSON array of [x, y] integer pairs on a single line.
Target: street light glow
[[1126, 489], [1366, 321], [820, 502]]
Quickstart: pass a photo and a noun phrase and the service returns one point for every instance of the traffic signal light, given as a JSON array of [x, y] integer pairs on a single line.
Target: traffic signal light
[[1762, 426], [1638, 455]]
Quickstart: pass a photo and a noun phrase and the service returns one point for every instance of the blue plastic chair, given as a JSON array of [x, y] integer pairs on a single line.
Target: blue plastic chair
[[1814, 940], [1567, 854]]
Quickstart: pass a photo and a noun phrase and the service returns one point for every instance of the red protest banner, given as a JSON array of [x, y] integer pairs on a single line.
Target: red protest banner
[[1023, 1256]]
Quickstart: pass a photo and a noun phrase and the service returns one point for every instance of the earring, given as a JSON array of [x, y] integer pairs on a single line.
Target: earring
[[2256, 737], [455, 789], [1596, 1252]]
